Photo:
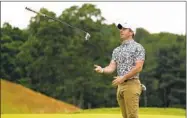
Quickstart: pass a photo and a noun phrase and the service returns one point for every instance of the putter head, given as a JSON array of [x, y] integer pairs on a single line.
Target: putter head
[[143, 87], [87, 36]]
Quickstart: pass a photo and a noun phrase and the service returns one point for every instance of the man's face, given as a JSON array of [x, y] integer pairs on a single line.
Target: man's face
[[125, 33]]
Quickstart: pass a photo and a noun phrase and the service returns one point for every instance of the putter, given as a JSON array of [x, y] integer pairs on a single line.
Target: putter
[[87, 36]]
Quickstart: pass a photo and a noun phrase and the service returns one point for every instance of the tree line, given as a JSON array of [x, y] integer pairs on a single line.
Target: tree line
[[54, 59]]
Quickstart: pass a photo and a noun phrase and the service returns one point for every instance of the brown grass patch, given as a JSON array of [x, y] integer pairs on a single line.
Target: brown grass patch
[[17, 99]]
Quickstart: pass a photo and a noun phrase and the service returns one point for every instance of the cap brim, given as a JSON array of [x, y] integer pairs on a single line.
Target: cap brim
[[119, 26]]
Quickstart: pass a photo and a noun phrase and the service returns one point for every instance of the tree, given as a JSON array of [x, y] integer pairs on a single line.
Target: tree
[[54, 59]]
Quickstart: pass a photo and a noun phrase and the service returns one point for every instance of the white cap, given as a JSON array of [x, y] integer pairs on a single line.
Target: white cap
[[126, 25]]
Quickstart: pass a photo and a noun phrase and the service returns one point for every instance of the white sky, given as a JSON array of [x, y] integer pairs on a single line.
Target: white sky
[[153, 16]]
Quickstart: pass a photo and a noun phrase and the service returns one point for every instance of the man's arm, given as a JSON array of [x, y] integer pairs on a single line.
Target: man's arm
[[138, 68], [135, 70], [108, 69]]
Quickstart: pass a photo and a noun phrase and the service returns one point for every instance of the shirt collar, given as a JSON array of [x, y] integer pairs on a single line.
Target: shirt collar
[[127, 41]]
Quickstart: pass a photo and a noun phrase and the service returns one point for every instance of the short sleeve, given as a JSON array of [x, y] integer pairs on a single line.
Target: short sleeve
[[140, 53], [114, 55]]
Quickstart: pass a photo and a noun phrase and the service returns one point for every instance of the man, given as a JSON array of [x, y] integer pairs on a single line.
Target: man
[[128, 59]]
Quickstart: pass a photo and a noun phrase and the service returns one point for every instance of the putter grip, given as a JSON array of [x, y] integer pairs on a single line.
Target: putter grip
[[31, 10], [28, 9]]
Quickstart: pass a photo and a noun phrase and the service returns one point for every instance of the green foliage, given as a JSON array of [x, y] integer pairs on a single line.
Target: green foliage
[[54, 59]]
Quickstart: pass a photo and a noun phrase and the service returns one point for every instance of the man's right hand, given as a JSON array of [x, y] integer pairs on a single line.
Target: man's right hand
[[98, 69]]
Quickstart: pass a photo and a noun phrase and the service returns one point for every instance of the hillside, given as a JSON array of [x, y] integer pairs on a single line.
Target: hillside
[[18, 99]]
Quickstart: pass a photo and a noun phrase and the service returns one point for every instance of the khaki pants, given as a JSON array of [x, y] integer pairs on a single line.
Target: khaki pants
[[128, 94]]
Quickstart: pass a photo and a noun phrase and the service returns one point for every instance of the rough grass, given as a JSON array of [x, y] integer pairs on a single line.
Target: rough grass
[[18, 99]]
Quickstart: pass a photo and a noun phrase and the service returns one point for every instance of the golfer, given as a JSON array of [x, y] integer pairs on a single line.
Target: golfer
[[128, 59]]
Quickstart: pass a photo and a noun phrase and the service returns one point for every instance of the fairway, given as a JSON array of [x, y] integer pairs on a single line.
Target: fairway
[[82, 116]]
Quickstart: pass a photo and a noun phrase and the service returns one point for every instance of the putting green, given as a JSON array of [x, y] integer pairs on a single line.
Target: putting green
[[82, 116]]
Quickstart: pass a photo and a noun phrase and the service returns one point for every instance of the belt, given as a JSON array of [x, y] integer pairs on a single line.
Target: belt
[[130, 79]]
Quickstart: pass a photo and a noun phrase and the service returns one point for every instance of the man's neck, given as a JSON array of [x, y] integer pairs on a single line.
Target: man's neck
[[125, 40]]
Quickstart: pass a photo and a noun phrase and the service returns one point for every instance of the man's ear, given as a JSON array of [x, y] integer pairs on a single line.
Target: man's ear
[[132, 34]]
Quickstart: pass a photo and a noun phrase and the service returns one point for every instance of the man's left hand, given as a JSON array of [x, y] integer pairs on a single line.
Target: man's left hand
[[118, 80]]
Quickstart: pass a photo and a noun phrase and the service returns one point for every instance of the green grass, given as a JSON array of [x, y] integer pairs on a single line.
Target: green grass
[[107, 113], [82, 116], [147, 111]]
